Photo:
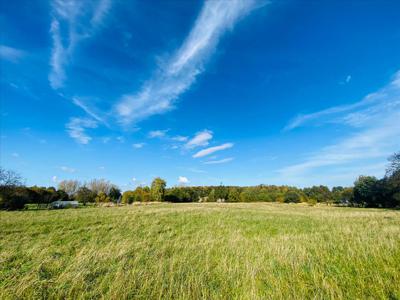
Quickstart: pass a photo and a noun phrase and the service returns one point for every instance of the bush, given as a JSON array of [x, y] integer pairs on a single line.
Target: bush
[[13, 198], [128, 197], [102, 198], [292, 197]]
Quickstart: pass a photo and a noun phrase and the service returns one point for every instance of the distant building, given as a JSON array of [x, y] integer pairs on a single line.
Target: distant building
[[64, 204]]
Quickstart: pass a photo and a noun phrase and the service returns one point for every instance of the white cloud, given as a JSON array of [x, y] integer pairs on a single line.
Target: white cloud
[[177, 74], [333, 114], [81, 102], [201, 138], [59, 57], [76, 129], [348, 78], [15, 154], [67, 169], [211, 150], [100, 11], [375, 134], [157, 133], [138, 145], [134, 179], [183, 180], [54, 179], [11, 54], [102, 168], [221, 161], [81, 19], [179, 138]]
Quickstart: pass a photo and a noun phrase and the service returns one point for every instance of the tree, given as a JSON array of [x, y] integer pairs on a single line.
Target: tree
[[234, 195], [178, 194], [85, 195], [100, 185], [319, 193], [365, 188], [292, 197], [211, 196], [12, 194], [9, 178], [102, 198], [157, 190], [69, 186], [15, 198], [114, 194], [128, 197], [394, 166]]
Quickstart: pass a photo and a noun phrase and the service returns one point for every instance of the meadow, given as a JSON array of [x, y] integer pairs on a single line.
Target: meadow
[[201, 251]]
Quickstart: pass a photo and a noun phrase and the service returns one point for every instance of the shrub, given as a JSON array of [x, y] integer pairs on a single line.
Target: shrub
[[292, 197]]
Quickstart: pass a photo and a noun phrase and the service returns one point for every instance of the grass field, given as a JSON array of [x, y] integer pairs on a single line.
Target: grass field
[[193, 251]]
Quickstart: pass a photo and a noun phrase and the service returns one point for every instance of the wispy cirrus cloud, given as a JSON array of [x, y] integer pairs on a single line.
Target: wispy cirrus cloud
[[138, 145], [157, 133], [374, 136], [220, 161], [211, 150], [67, 169], [334, 114], [82, 103], [80, 19], [179, 138], [11, 54], [177, 74], [76, 129]]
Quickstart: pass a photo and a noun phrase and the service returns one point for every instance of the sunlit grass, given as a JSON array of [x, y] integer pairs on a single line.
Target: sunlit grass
[[209, 250]]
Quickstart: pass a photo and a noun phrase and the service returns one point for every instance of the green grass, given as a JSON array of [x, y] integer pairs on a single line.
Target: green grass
[[194, 251]]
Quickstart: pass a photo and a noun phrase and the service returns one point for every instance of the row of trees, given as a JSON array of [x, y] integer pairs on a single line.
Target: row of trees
[[15, 195], [368, 191]]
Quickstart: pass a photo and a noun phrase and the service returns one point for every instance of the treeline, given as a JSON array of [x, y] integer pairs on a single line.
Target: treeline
[[367, 191], [15, 195]]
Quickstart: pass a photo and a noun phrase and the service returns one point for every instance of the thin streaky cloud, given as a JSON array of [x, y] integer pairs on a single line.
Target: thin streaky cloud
[[372, 99], [221, 161], [179, 138], [377, 135], [76, 129], [81, 103], [159, 94], [158, 133], [138, 145], [211, 150], [81, 18], [11, 54], [67, 169]]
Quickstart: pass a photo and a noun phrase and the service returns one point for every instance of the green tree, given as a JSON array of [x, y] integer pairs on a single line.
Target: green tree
[[102, 198], [85, 195], [114, 194], [128, 197], [157, 190], [365, 188], [234, 195], [292, 197], [211, 196]]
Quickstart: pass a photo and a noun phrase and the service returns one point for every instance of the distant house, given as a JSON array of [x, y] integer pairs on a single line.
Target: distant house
[[64, 204]]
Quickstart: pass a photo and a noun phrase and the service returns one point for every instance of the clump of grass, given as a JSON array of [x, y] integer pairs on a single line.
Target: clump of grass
[[208, 250]]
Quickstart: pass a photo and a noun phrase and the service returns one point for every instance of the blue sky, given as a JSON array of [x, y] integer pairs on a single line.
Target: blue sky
[[199, 93]]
